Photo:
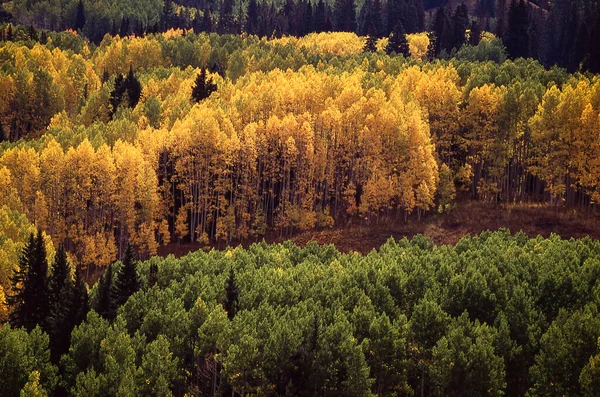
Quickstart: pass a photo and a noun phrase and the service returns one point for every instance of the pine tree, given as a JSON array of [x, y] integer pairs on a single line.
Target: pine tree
[[80, 17], [442, 31], [167, 15], [207, 22], [153, 275], [30, 286], [2, 135], [397, 43], [203, 87], [371, 44], [320, 17], [231, 295], [104, 302], [460, 23], [516, 38], [80, 300], [252, 18], [344, 16], [475, 34], [133, 87], [60, 288], [226, 22], [127, 282], [18, 280]]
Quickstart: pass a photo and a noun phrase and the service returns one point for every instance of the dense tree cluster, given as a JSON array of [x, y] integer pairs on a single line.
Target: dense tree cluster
[[560, 32], [493, 315], [341, 136]]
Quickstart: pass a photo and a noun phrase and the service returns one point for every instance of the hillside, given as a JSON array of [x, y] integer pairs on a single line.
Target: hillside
[[492, 315]]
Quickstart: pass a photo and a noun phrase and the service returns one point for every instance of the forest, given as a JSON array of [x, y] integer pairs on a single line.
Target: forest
[[496, 314], [131, 127]]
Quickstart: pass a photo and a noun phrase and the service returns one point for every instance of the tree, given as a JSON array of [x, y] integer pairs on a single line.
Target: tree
[[344, 16], [60, 291], [252, 17], [516, 38], [371, 43], [203, 86], [231, 295], [133, 87], [475, 34], [226, 22], [30, 286], [104, 303], [460, 23], [153, 275], [397, 42], [80, 17], [127, 282]]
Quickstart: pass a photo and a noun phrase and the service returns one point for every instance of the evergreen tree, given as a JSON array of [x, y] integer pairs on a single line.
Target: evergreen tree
[[207, 22], [167, 15], [516, 38], [104, 302], [2, 135], [80, 300], [320, 17], [60, 276], [442, 31], [371, 44], [80, 17], [226, 22], [252, 18], [231, 295], [475, 35], [203, 87], [127, 282], [593, 63], [344, 16], [30, 286], [133, 87], [397, 43], [9, 32], [116, 95], [153, 275], [60, 288], [460, 23], [17, 300]]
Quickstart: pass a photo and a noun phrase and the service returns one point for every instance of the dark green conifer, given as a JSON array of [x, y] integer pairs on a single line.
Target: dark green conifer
[[203, 87], [397, 43], [127, 282], [231, 295], [104, 303]]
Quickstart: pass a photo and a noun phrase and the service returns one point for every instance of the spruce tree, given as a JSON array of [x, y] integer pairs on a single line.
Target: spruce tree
[[2, 135], [252, 18], [133, 87], [516, 38], [153, 275], [371, 43], [104, 302], [460, 23], [80, 300], [397, 43], [17, 299], [80, 17], [344, 16], [475, 34], [30, 286], [127, 282], [231, 295], [207, 22], [60, 288], [203, 87]]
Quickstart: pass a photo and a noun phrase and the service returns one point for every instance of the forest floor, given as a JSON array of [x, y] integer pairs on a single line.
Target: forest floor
[[470, 218]]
